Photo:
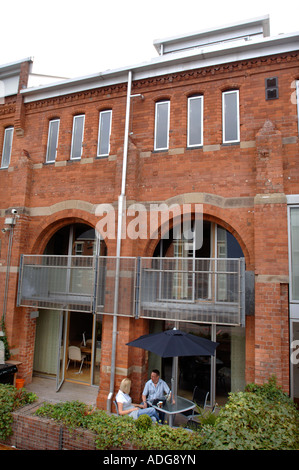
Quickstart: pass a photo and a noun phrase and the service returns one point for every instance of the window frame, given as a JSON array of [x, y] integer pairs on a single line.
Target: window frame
[[191, 98], [6, 130], [297, 100], [51, 122], [77, 116], [293, 297], [102, 113], [159, 103], [224, 124]]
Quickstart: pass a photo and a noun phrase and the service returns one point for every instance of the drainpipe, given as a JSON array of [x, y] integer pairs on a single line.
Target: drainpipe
[[121, 202], [11, 222]]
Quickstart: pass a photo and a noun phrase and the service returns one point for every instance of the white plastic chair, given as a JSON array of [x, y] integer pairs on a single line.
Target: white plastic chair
[[74, 354]]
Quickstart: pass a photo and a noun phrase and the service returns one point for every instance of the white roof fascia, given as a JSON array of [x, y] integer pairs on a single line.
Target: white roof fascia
[[171, 63], [255, 26]]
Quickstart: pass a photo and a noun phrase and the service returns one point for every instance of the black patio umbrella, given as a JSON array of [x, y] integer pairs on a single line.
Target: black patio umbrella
[[174, 343]]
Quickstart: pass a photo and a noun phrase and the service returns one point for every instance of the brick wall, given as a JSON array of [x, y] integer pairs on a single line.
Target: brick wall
[[242, 187]]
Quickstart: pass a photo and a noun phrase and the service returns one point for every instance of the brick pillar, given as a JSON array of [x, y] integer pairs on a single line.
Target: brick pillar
[[271, 255]]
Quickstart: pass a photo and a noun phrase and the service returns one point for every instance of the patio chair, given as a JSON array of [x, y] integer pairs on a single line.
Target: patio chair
[[74, 354], [116, 406], [200, 397]]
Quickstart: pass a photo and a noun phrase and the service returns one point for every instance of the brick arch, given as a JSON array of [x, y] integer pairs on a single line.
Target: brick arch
[[226, 218], [50, 225]]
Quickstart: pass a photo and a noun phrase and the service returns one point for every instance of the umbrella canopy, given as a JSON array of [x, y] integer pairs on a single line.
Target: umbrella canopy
[[174, 343]]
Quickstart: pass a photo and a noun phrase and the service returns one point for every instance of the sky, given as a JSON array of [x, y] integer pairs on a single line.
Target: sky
[[71, 38]]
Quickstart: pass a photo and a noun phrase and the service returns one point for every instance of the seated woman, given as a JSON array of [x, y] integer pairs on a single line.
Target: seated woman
[[126, 407]]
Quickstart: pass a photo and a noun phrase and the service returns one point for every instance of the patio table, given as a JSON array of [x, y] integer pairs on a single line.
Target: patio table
[[169, 408]]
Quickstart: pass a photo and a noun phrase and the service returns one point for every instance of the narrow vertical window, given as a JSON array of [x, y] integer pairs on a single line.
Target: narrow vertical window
[[230, 116], [104, 133], [52, 140], [294, 255], [162, 125], [297, 94], [195, 121], [7, 144], [77, 138]]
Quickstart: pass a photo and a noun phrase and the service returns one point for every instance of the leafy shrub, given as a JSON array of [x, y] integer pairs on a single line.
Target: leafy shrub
[[143, 422], [167, 438], [262, 417], [115, 431], [10, 400], [72, 414]]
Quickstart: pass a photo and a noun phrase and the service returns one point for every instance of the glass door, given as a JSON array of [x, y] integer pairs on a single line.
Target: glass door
[[61, 356], [295, 361]]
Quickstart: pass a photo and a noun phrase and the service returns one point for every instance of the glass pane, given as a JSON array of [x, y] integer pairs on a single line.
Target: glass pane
[[104, 133], [230, 361], [294, 362], [195, 121], [61, 360], [52, 141], [7, 147], [77, 137], [295, 252], [97, 350], [231, 117], [162, 115]]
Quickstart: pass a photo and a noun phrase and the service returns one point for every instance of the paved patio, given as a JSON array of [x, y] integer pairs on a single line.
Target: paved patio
[[45, 389]]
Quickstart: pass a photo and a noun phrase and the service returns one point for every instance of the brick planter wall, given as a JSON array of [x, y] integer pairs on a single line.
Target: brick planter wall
[[31, 432]]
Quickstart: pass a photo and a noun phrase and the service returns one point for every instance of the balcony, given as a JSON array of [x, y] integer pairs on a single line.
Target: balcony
[[57, 282], [206, 290]]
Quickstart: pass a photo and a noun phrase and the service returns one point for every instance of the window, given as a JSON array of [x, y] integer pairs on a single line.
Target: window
[[294, 253], [52, 140], [195, 121], [230, 116], [104, 133], [7, 144], [271, 86], [297, 94], [77, 139], [162, 125]]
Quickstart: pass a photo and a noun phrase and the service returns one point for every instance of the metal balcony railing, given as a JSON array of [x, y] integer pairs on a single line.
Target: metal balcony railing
[[206, 290], [57, 282]]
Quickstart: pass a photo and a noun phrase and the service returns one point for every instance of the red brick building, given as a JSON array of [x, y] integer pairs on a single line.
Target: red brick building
[[207, 129]]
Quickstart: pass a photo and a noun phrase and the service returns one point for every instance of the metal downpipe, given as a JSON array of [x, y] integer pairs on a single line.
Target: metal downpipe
[[121, 200]]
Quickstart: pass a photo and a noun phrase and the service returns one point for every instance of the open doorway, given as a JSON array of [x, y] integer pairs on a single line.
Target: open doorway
[[57, 330], [68, 345], [79, 347]]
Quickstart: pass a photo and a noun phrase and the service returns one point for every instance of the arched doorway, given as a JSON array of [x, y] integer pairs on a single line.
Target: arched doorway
[[227, 372], [59, 329]]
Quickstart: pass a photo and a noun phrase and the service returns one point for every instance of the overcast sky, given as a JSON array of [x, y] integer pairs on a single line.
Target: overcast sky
[[71, 38]]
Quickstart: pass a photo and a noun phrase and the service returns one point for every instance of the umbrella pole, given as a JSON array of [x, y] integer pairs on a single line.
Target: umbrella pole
[[174, 379]]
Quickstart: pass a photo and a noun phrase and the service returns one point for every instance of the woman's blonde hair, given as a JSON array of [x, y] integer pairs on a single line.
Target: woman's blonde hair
[[125, 385]]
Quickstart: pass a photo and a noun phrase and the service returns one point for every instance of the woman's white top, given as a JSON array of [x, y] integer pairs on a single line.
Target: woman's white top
[[126, 400]]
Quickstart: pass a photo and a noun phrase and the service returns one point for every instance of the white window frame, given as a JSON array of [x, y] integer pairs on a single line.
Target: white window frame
[[224, 94], [159, 103], [200, 142], [102, 113], [5, 143], [51, 123], [78, 116]]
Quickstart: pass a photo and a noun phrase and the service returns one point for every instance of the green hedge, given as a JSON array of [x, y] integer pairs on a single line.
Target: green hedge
[[262, 418], [10, 400]]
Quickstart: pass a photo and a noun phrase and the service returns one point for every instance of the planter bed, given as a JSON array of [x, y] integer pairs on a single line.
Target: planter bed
[[31, 432]]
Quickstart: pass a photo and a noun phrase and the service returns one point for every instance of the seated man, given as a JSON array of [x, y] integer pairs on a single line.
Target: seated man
[[154, 390]]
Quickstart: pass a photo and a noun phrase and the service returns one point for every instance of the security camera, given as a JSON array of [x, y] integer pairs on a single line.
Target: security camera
[[14, 211], [3, 230]]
